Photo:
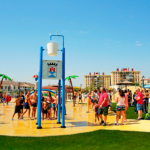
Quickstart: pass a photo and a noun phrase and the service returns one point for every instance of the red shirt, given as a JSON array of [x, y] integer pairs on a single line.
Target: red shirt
[[141, 98], [101, 99]]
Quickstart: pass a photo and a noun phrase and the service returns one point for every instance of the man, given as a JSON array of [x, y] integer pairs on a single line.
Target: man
[[33, 99], [139, 99], [21, 102], [103, 106]]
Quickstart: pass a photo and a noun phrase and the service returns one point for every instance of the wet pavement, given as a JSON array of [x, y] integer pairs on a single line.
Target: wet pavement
[[77, 121]]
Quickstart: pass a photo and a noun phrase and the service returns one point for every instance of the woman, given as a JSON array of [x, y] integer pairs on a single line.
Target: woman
[[120, 108], [145, 101], [49, 101]]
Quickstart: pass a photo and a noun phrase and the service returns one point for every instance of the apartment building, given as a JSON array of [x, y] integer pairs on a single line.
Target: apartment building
[[125, 74], [99, 80]]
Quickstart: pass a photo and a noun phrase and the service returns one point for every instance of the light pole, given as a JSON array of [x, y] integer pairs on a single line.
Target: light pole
[[143, 81]]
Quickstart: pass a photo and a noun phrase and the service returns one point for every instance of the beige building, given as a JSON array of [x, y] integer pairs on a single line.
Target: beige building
[[99, 80], [119, 76], [13, 86]]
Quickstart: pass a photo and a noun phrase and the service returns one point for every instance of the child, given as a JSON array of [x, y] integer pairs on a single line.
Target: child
[[44, 108], [17, 107], [54, 105], [4, 96], [96, 110], [80, 97]]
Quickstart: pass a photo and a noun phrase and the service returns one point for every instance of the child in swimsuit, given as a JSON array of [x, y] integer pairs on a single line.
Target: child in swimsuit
[[17, 107], [44, 108], [96, 110], [4, 96]]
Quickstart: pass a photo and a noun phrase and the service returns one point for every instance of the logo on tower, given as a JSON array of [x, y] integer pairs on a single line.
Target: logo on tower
[[52, 71]]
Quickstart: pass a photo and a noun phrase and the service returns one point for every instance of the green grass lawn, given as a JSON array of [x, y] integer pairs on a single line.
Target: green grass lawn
[[97, 140]]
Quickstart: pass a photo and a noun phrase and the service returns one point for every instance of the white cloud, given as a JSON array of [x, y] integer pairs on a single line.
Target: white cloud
[[139, 44], [83, 32]]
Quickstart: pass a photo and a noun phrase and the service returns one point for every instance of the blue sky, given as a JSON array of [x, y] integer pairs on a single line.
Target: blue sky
[[100, 36]]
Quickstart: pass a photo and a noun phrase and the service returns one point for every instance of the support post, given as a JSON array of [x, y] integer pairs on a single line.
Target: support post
[[39, 90], [59, 95], [63, 87]]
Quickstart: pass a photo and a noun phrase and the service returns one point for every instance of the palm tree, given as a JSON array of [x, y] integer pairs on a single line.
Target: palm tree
[[4, 77], [69, 79]]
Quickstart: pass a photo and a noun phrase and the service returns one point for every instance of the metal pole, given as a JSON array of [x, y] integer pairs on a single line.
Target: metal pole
[[59, 94], [63, 86], [39, 90]]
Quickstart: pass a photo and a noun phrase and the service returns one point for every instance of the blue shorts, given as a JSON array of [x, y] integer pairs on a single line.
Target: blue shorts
[[139, 107], [53, 106], [3, 99], [26, 105]]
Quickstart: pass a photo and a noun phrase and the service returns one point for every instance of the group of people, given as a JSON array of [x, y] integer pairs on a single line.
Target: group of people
[[77, 95], [48, 104], [143, 101], [5, 98], [101, 101]]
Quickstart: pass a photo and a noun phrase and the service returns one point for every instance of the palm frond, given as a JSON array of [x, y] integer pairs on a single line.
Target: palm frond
[[74, 76], [8, 78], [67, 78], [5, 77], [1, 75]]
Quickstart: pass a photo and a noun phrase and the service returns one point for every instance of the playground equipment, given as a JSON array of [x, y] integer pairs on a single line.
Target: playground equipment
[[69, 79], [4, 77], [36, 80], [52, 51]]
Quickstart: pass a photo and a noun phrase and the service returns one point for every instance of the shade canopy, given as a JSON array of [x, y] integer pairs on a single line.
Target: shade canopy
[[124, 83]]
